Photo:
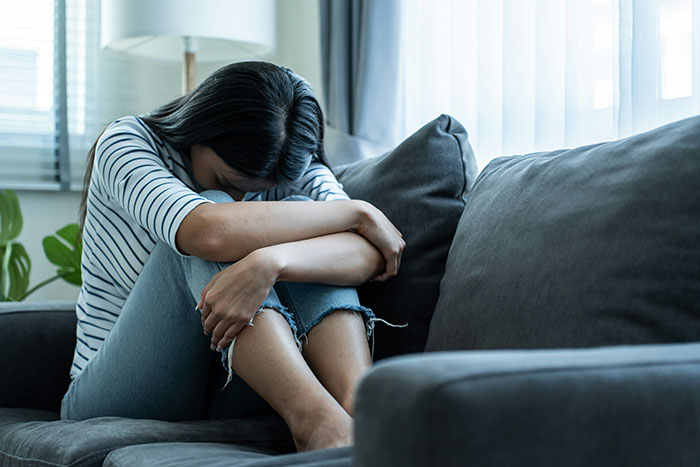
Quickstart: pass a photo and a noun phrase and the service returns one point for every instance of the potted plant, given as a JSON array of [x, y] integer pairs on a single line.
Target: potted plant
[[62, 249]]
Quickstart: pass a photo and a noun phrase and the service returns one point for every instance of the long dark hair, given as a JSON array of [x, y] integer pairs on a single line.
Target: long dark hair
[[262, 119]]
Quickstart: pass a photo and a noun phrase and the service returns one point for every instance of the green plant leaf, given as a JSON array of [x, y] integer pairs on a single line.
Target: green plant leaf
[[5, 252], [71, 276], [4, 220], [69, 233], [58, 253], [20, 267], [64, 249], [14, 275], [10, 217]]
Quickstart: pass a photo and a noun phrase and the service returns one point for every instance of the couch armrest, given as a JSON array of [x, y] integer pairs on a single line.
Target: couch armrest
[[610, 406], [38, 340]]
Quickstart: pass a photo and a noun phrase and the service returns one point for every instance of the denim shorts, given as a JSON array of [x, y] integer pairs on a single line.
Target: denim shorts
[[303, 304]]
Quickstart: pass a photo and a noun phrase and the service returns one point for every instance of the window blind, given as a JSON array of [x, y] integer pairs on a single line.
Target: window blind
[[28, 150], [51, 105]]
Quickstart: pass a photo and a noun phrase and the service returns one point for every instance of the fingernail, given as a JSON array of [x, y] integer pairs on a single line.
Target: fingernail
[[218, 349], [211, 346]]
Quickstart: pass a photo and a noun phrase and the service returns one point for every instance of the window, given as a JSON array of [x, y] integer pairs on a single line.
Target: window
[[529, 75], [28, 150], [58, 90]]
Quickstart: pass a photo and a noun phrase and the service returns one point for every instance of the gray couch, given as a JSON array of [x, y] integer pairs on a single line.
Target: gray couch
[[554, 319]]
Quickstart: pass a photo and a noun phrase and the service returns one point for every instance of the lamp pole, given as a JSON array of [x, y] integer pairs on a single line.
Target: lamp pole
[[190, 69]]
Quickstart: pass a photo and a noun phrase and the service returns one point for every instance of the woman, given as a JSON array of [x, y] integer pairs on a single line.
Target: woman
[[178, 265]]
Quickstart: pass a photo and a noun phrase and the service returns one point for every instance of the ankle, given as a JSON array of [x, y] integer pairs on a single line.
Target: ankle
[[347, 404], [306, 423], [328, 431]]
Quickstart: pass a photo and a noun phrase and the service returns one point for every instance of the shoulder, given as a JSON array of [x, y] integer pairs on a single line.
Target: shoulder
[[125, 143], [126, 132], [129, 129]]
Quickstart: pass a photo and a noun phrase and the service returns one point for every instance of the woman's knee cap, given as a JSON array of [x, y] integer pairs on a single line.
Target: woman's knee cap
[[217, 196], [297, 198]]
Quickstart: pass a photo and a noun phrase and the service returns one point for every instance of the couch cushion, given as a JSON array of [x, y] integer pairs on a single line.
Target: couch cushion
[[603, 407], [40, 437], [592, 246], [220, 455], [421, 186]]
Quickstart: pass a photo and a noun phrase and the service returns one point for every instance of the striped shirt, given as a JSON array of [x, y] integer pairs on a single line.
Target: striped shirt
[[140, 191]]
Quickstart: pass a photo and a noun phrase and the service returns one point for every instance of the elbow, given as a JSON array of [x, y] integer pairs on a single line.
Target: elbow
[[208, 246], [198, 235], [213, 244], [195, 239]]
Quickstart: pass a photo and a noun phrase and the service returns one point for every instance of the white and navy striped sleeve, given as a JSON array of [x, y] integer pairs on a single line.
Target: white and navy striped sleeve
[[318, 183], [131, 172]]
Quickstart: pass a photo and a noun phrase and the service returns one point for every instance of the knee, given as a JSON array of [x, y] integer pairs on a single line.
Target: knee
[[217, 196], [297, 198], [164, 256]]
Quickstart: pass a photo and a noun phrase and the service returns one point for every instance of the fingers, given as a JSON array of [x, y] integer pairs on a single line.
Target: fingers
[[217, 326], [228, 336], [393, 260], [203, 305], [206, 316], [392, 263], [393, 253], [219, 337], [223, 329]]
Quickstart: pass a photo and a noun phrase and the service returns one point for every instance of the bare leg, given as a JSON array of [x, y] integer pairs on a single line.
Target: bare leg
[[267, 358], [338, 353]]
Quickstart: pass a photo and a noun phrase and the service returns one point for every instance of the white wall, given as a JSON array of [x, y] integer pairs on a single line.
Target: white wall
[[45, 212], [298, 48]]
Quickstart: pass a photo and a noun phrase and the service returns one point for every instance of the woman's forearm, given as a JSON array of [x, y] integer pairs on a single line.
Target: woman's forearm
[[230, 231], [344, 258]]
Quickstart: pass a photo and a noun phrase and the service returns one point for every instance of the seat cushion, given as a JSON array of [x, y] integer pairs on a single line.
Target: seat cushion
[[598, 245], [41, 437], [220, 455], [421, 186]]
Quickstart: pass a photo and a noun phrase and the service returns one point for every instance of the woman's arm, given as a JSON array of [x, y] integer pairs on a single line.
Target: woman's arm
[[227, 232], [344, 258], [231, 231], [230, 299]]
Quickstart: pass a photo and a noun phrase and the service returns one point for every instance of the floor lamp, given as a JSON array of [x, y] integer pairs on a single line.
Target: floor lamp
[[180, 30]]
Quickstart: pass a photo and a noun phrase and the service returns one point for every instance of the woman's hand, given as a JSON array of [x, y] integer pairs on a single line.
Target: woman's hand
[[231, 298], [379, 230]]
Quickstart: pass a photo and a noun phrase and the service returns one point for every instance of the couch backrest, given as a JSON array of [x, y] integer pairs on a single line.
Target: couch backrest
[[38, 340], [598, 245]]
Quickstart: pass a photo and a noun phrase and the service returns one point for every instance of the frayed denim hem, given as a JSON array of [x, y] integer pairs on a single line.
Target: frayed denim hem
[[369, 318], [227, 353]]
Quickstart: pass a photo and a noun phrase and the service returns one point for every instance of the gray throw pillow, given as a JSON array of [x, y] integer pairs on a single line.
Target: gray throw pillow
[[598, 245], [421, 186]]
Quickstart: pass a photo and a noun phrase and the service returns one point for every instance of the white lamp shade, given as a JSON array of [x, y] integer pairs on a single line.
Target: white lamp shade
[[222, 29]]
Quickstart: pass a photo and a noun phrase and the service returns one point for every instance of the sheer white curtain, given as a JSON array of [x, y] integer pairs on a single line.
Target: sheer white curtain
[[529, 75]]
